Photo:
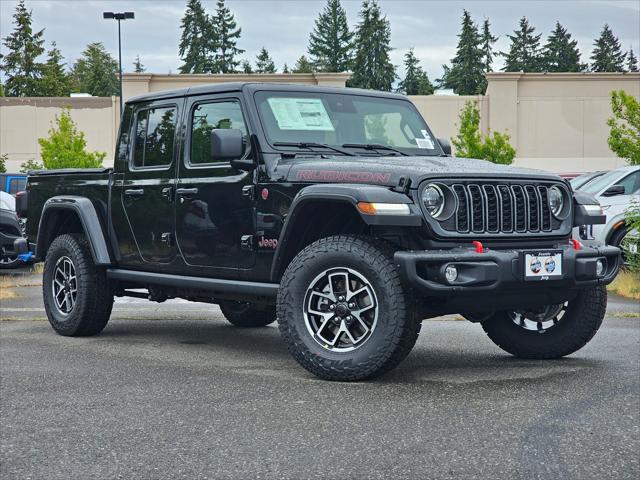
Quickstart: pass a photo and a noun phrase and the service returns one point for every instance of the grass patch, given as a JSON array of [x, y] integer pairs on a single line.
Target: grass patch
[[626, 314], [37, 268], [626, 284]]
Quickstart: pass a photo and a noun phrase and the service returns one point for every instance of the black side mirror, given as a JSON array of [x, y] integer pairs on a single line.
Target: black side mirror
[[226, 144], [614, 190], [445, 145]]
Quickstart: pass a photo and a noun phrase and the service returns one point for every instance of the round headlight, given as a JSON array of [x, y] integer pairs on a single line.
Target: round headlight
[[433, 200], [556, 201]]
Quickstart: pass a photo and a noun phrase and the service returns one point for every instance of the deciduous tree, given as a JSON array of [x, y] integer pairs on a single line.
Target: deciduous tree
[[624, 133], [66, 146]]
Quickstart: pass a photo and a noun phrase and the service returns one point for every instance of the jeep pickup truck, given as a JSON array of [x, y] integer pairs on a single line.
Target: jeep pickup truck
[[334, 211]]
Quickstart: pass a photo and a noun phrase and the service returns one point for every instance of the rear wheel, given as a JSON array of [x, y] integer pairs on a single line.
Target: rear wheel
[[77, 296], [8, 262], [342, 310], [247, 315], [552, 331]]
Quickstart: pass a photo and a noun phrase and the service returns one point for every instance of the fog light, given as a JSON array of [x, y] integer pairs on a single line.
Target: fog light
[[451, 273], [599, 267]]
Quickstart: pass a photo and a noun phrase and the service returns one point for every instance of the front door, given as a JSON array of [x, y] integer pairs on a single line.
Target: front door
[[212, 213], [149, 181]]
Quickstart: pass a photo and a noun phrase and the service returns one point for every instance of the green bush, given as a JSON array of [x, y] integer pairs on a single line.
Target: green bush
[[31, 164], [3, 163], [66, 146], [471, 143], [631, 243], [624, 135]]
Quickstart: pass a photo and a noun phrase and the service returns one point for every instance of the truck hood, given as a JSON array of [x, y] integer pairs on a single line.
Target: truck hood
[[388, 170]]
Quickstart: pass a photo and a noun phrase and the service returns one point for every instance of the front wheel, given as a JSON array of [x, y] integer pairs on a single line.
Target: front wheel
[[342, 310], [552, 331]]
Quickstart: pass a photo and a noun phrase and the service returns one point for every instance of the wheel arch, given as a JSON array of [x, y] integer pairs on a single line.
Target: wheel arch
[[72, 214], [327, 209]]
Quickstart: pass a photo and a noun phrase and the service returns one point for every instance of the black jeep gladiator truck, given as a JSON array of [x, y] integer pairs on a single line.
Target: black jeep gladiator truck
[[334, 211]]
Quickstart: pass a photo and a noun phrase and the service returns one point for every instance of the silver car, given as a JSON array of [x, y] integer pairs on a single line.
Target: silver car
[[616, 191]]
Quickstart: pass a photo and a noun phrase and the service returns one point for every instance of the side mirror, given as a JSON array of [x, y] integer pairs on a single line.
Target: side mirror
[[227, 144], [445, 145], [614, 190]]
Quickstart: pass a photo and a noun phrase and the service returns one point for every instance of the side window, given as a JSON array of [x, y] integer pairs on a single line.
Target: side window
[[631, 183], [206, 117], [155, 131], [122, 149]]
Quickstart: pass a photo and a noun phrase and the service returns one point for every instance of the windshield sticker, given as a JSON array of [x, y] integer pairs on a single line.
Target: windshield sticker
[[425, 142], [301, 114]]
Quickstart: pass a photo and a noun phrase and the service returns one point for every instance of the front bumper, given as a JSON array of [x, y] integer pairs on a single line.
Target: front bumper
[[502, 270]]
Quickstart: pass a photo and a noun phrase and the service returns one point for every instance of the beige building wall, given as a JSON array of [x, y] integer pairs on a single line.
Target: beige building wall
[[557, 122], [24, 120]]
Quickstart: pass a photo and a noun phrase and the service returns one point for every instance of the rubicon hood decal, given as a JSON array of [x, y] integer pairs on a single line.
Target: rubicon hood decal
[[312, 175]]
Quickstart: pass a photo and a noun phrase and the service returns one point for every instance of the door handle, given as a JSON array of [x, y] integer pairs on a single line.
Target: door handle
[[134, 192], [167, 193], [186, 192]]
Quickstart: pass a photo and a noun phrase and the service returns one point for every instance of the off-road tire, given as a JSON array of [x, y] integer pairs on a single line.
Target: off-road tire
[[94, 299], [581, 321], [247, 315], [396, 330]]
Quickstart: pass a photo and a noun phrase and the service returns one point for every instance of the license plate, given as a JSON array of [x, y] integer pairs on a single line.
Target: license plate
[[545, 265]]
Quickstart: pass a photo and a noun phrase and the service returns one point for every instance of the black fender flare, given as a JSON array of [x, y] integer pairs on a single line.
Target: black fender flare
[[350, 194], [88, 216]]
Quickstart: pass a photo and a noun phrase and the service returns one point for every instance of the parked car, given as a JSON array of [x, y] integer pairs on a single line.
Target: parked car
[[13, 182], [581, 180], [616, 190], [334, 210], [10, 231]]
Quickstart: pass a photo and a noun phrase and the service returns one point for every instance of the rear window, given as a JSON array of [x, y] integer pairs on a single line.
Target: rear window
[[155, 131]]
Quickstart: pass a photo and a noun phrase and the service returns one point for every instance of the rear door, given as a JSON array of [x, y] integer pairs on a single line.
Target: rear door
[[212, 213], [149, 181]]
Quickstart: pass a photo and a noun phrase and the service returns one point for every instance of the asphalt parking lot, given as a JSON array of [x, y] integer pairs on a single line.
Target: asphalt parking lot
[[172, 391]]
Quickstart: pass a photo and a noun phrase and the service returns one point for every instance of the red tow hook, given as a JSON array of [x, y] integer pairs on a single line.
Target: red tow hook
[[575, 243], [478, 245]]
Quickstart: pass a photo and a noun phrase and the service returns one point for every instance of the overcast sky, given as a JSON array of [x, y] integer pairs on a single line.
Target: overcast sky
[[283, 26]]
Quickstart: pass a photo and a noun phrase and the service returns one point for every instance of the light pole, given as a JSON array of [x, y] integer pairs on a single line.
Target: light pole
[[119, 17]]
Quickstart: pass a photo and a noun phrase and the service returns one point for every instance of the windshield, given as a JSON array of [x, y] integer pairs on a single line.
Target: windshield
[[600, 183], [353, 122], [582, 180]]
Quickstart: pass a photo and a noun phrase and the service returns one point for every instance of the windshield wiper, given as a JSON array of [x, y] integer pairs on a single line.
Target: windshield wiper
[[312, 145], [374, 146]]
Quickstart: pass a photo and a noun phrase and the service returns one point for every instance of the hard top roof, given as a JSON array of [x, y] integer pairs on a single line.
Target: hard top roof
[[253, 87]]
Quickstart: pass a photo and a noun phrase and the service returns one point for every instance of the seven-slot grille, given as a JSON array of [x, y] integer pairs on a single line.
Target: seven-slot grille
[[501, 208]]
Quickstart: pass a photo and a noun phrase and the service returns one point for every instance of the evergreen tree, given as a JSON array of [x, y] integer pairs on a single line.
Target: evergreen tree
[[138, 67], [607, 55], [246, 67], [285, 68], [20, 65], [303, 65], [560, 53], [264, 63], [632, 61], [524, 53], [198, 42], [96, 72], [416, 81], [487, 40], [372, 67], [466, 74], [55, 81], [331, 42], [227, 34]]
